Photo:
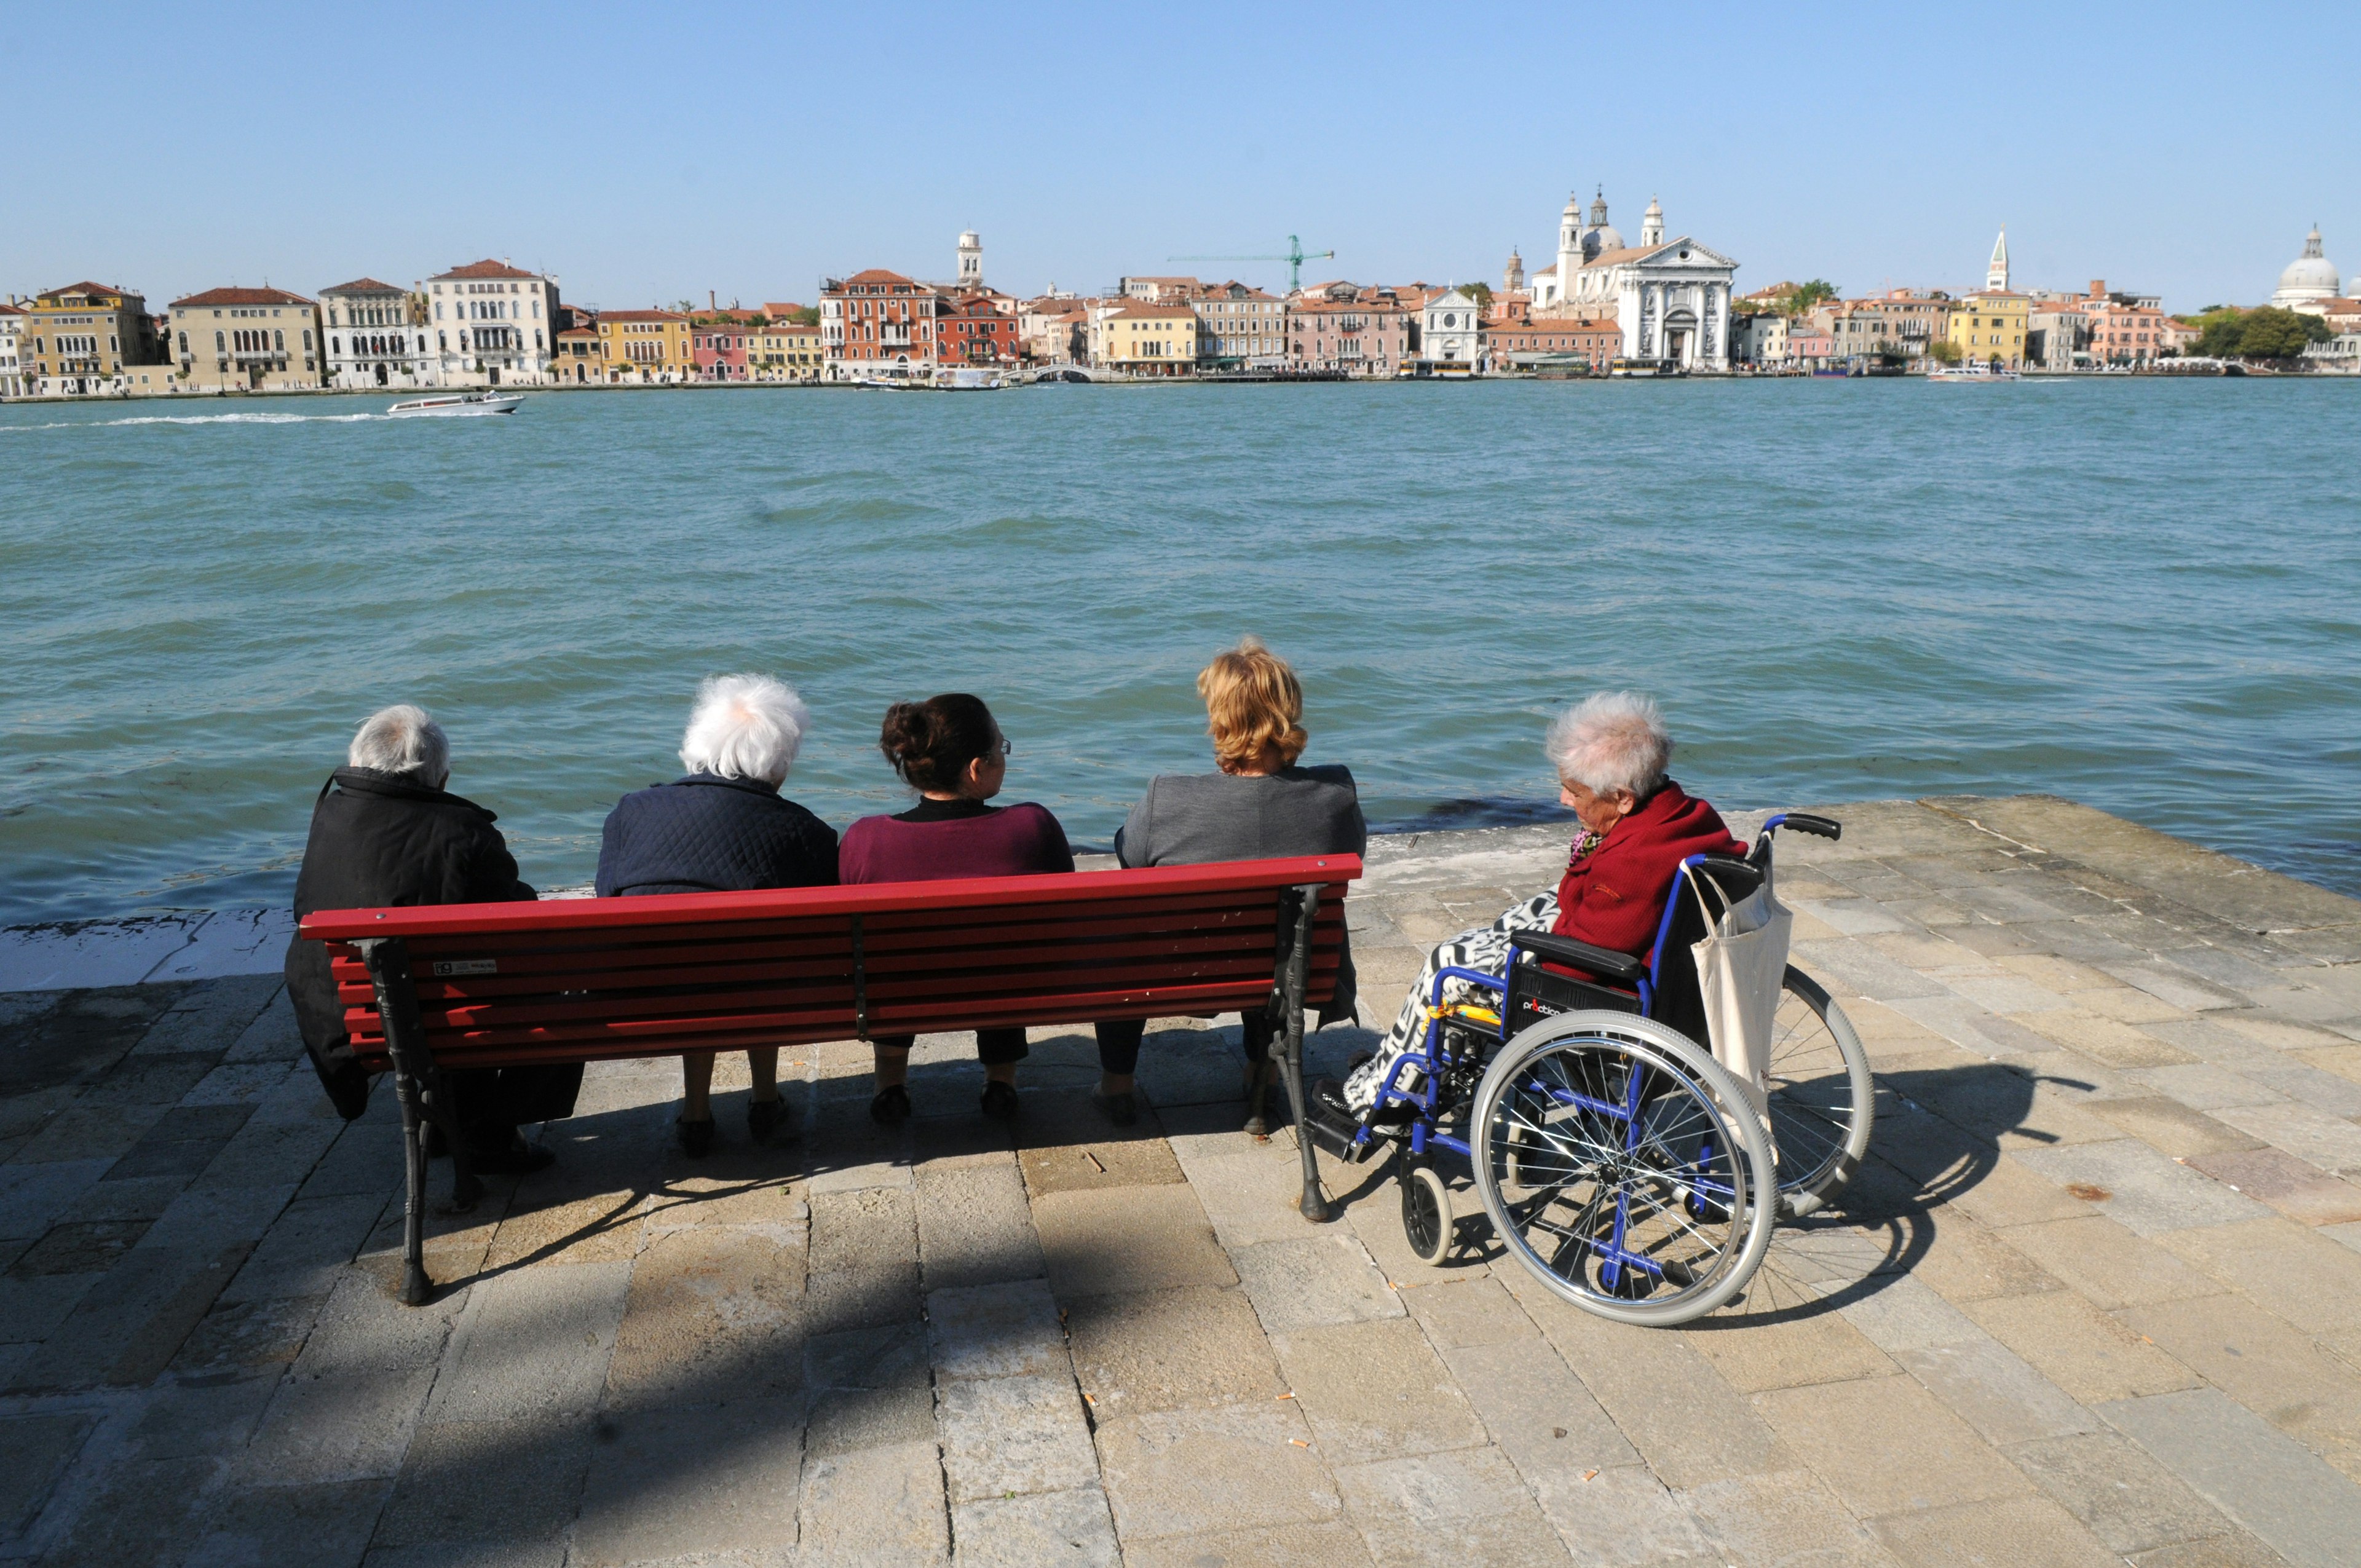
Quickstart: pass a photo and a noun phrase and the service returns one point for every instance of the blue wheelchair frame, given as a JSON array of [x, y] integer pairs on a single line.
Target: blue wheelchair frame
[[1433, 1058]]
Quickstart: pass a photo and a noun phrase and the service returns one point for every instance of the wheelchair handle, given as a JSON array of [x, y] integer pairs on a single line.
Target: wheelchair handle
[[1804, 822]]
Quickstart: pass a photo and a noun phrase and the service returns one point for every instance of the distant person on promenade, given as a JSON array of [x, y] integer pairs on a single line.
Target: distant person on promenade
[[383, 833], [1637, 827], [1259, 804], [952, 751], [723, 827]]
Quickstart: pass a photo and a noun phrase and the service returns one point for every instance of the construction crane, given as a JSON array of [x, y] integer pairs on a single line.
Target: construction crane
[[1295, 257]]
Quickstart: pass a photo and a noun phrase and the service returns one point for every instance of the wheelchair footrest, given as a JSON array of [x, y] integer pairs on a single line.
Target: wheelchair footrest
[[1336, 1134]]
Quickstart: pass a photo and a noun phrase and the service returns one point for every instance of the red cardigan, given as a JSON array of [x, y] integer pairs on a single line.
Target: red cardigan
[[1614, 896]]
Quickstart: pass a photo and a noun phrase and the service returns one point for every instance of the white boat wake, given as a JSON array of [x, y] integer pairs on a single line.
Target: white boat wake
[[201, 419]]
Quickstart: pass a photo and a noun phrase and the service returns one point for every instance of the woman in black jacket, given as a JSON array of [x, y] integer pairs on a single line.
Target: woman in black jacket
[[724, 827], [384, 833]]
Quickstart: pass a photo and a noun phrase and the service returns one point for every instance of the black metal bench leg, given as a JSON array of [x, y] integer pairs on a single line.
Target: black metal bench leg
[[425, 1100], [416, 1289], [1314, 1205]]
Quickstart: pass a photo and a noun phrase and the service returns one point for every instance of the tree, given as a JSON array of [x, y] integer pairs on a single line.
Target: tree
[[807, 316], [2270, 333], [1479, 293], [1943, 350], [2219, 331], [1808, 295]]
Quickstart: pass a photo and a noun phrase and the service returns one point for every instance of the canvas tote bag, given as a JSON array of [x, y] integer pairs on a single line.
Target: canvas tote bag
[[1740, 965]]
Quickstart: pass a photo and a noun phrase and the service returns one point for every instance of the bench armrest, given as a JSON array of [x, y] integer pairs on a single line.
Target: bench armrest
[[1603, 961]]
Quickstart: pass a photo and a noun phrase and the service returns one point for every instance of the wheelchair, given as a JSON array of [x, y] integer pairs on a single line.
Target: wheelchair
[[1624, 1167]]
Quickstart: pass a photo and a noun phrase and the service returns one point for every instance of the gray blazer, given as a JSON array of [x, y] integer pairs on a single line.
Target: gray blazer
[[1194, 818]]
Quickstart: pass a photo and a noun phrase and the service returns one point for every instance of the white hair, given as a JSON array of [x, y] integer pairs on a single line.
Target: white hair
[[403, 739], [1612, 740], [745, 727]]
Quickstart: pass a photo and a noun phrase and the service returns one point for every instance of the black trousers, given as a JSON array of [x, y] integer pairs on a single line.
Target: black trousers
[[490, 1102], [1119, 1041], [992, 1047]]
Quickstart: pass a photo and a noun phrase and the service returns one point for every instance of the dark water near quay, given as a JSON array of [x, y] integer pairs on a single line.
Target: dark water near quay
[[2139, 594]]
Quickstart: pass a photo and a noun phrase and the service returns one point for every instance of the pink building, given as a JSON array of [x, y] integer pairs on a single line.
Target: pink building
[[720, 343], [2125, 328]]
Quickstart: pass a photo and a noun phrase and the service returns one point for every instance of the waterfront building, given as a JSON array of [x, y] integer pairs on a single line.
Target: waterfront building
[[878, 323], [2123, 329], [1759, 338], [492, 326], [377, 336], [580, 360], [1990, 328], [1896, 325], [802, 352], [1565, 345], [1157, 288], [1144, 337], [1671, 296], [974, 331], [2180, 337], [246, 340], [720, 346], [12, 380], [1340, 326], [1450, 329], [2056, 333], [646, 348], [83, 338], [1054, 330], [2309, 278], [1240, 327]]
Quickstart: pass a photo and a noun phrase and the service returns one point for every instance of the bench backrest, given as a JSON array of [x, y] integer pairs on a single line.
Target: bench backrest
[[577, 980]]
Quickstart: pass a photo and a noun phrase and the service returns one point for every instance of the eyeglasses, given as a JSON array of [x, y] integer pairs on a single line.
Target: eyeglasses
[[1005, 749]]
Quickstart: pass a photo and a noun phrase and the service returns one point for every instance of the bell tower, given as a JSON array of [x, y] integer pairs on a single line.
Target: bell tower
[[1996, 275], [971, 261]]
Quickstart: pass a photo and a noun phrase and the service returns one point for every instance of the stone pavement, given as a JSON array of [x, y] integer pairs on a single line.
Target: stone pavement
[[2096, 1297]]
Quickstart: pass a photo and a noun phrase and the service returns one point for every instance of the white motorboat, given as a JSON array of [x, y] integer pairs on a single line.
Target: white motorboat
[[1973, 370], [464, 405]]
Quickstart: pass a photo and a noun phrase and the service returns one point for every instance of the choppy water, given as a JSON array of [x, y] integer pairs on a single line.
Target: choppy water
[[2140, 594]]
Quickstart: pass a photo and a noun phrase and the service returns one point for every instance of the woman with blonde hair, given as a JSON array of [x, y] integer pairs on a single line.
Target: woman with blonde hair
[[1260, 805]]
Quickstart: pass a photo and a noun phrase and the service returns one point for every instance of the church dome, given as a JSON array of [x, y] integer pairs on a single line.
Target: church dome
[[1603, 237], [2310, 276]]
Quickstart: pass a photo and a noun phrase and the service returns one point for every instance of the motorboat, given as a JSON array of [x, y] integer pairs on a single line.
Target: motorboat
[[1973, 370], [463, 405]]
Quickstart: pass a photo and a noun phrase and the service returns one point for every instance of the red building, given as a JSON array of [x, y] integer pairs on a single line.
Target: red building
[[974, 330], [879, 323]]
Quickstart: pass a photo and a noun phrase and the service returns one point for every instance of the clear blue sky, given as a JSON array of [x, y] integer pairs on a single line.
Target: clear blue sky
[[653, 153]]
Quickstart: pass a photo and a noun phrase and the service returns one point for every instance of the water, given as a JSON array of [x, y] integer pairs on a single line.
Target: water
[[2138, 593]]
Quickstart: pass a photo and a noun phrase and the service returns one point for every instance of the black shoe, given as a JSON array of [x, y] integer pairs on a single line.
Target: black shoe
[[1120, 1109], [515, 1157], [696, 1137], [1328, 1096], [891, 1108], [1000, 1100], [762, 1118]]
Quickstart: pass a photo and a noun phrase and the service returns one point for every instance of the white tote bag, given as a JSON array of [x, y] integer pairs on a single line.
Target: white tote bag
[[1741, 964]]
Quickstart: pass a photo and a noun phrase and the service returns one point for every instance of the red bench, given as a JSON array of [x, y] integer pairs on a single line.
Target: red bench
[[591, 980]]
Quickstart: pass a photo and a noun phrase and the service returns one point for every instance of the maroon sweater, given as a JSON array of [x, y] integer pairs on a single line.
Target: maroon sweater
[[1614, 896], [941, 839]]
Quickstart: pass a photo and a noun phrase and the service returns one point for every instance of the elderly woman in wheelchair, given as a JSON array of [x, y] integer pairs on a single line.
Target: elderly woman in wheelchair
[[1569, 1051]]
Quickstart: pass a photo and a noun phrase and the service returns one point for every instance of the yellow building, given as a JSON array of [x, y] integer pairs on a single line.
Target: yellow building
[[580, 359], [1145, 339], [75, 340], [647, 347], [246, 340], [1990, 328]]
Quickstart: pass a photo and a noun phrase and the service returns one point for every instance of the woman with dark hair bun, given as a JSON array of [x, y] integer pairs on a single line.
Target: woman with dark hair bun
[[950, 751]]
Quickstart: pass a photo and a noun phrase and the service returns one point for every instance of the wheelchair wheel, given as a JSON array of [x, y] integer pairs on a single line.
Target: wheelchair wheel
[[1610, 1168], [1426, 1212], [1822, 1099]]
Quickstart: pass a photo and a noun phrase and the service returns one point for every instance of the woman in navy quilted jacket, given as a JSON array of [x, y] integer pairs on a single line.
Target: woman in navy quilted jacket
[[723, 828]]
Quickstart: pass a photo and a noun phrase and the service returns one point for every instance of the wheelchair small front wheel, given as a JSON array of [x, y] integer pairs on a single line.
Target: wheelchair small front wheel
[[1635, 1191], [1426, 1212]]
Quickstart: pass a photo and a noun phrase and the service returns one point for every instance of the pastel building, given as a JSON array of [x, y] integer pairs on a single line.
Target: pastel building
[[646, 347], [246, 340], [79, 340], [493, 323], [1145, 337], [377, 336]]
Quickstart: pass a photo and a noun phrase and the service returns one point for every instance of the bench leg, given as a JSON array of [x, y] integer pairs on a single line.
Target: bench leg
[[416, 1287]]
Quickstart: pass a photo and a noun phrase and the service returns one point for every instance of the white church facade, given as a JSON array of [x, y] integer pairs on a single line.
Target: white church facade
[[1669, 297]]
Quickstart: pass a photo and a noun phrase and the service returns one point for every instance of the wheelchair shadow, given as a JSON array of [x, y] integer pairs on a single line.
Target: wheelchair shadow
[[1938, 1134]]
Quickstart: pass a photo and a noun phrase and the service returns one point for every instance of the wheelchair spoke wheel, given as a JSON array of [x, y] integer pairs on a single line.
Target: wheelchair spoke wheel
[[1426, 1212], [1820, 1095], [1612, 1171]]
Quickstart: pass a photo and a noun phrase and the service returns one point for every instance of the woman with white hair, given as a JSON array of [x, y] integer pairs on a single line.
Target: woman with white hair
[[1611, 753], [385, 830], [723, 828]]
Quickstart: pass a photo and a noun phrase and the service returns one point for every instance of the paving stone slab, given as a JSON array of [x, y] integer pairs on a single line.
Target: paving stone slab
[[1884, 1445], [2144, 1190], [975, 1227], [996, 1331], [2119, 1492], [1537, 1410], [2288, 1268], [1375, 1388], [134, 1506], [35, 1447], [307, 1248], [875, 1506], [1785, 1350], [2255, 1358], [679, 1483], [1128, 1238], [325, 1525], [2318, 1136], [202, 1418], [1997, 1392], [1007, 1436], [713, 1315], [1330, 1544], [1320, 1279], [362, 1328], [2024, 1532], [1156, 1350], [534, 1341], [1071, 1528], [487, 1481], [351, 1426], [1468, 1311], [1788, 1518], [1623, 1517], [128, 1325], [2088, 1354], [2108, 1265], [1902, 1313], [1176, 1472], [2267, 1483], [1448, 1509]]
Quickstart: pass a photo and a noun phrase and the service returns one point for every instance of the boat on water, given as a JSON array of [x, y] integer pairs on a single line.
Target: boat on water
[[1972, 372], [459, 405]]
